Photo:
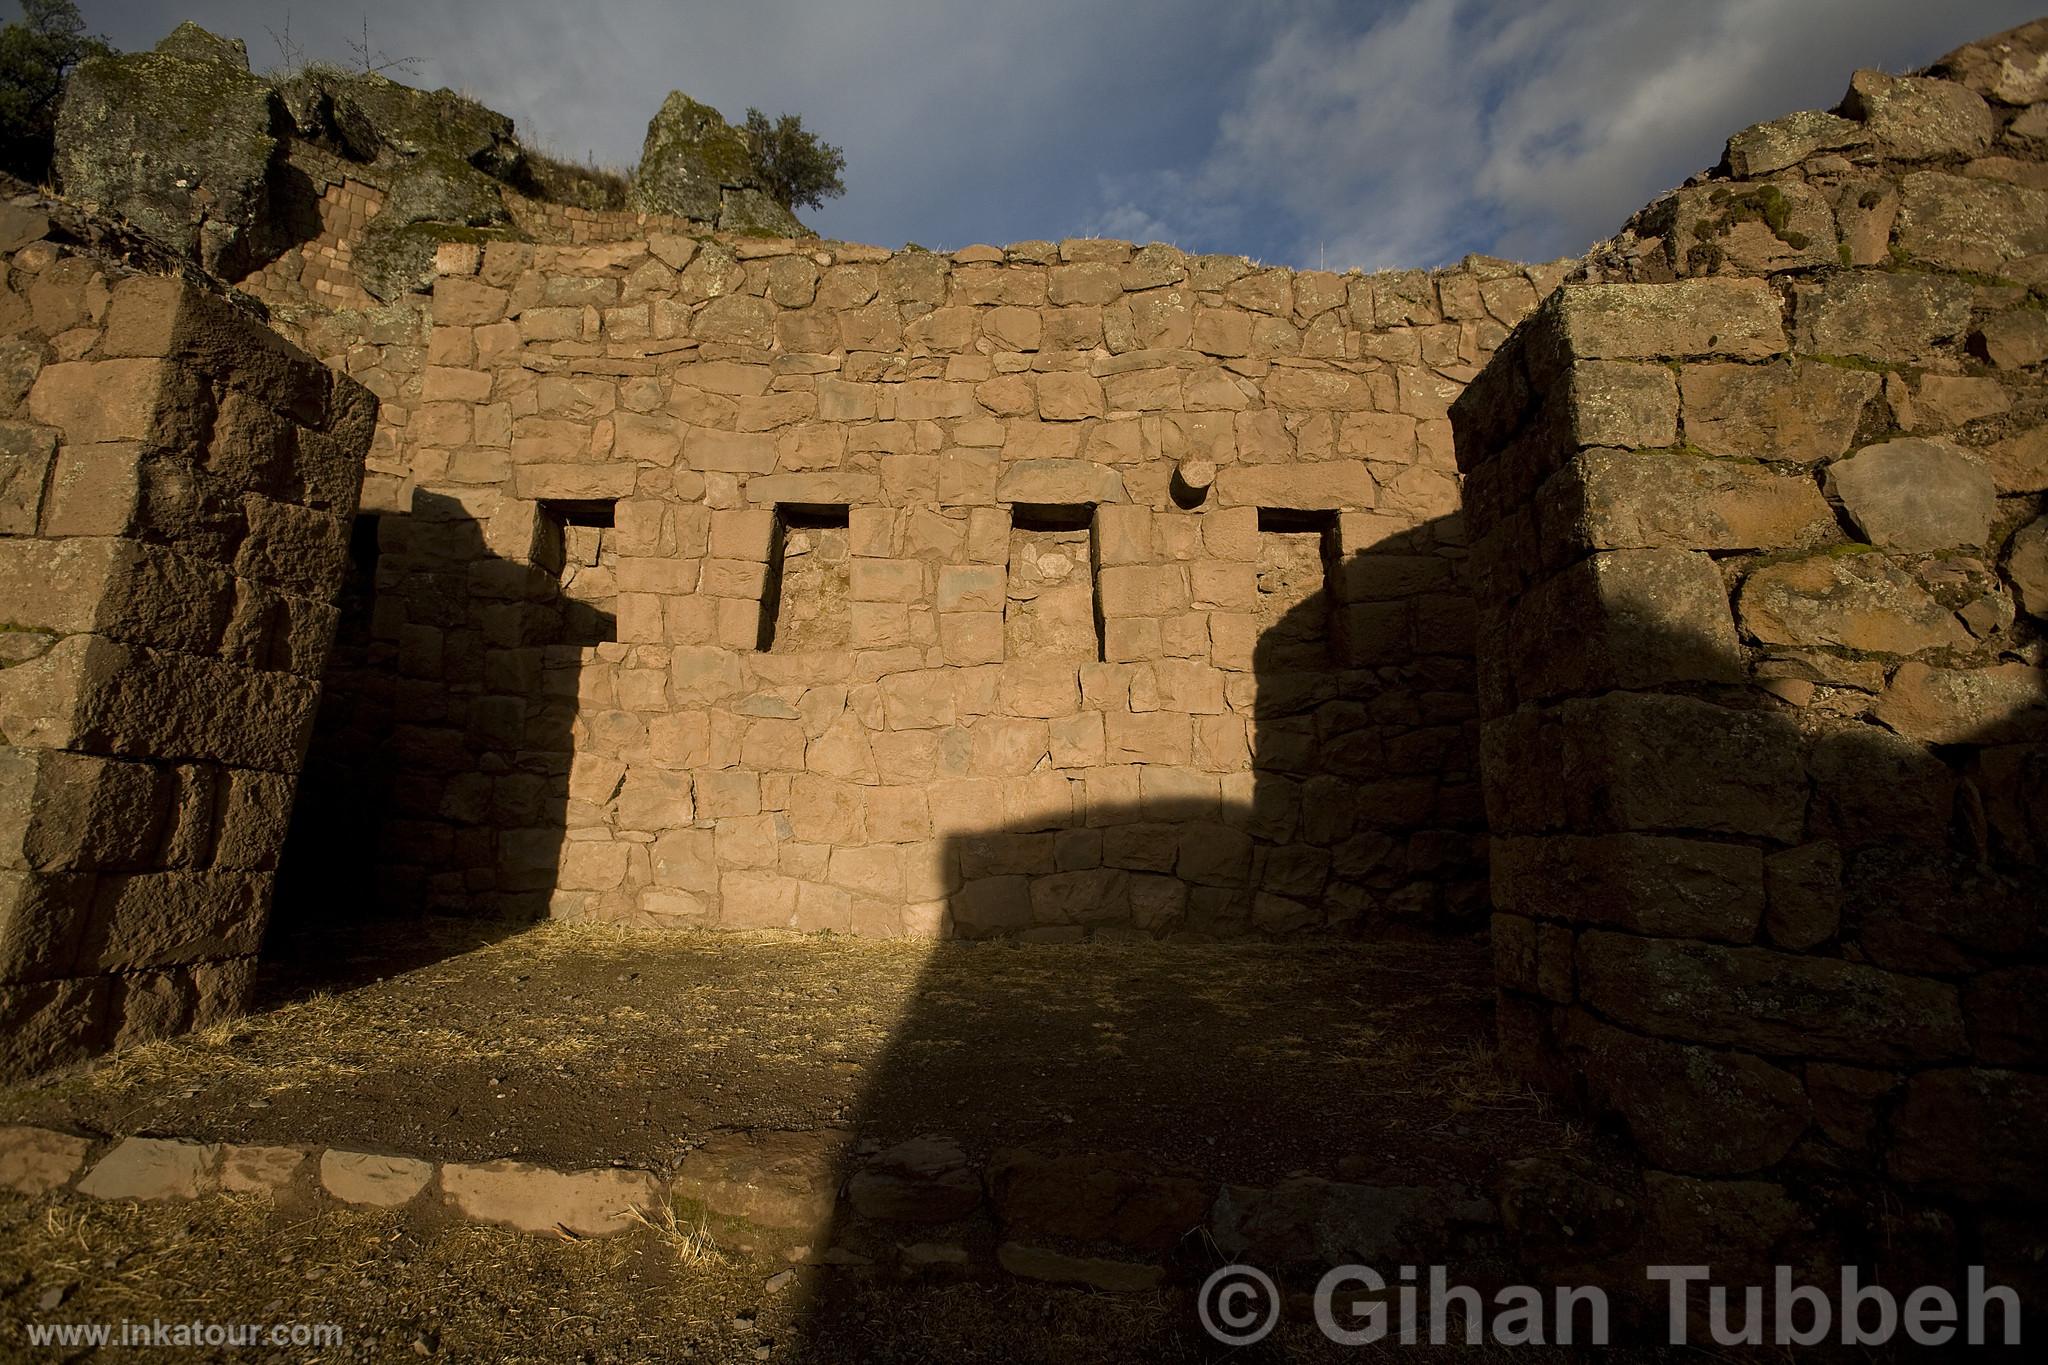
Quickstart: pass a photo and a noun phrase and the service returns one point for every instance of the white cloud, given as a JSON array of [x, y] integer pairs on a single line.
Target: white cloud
[[1530, 128]]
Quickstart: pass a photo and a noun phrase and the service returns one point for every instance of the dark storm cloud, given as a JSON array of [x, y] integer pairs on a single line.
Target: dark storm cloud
[[1320, 132]]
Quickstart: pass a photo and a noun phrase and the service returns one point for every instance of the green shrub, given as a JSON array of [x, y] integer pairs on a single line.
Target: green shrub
[[798, 169]]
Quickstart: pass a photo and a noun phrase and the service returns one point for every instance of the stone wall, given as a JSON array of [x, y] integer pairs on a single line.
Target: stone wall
[[1059, 588], [1762, 573], [176, 485]]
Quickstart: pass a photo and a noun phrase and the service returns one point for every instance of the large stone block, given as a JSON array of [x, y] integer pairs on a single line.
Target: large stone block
[[26, 453], [156, 919], [1852, 601], [1748, 229], [100, 400], [1964, 223], [531, 1198], [1624, 619], [1905, 319], [154, 1168], [1615, 403], [1768, 1002], [1059, 483], [1643, 883], [1914, 494], [2001, 704], [1916, 117], [1625, 500], [171, 706], [1694, 1109], [86, 812], [1766, 147], [1972, 1132], [1645, 761], [1736, 318], [1329, 485], [294, 548], [1801, 410]]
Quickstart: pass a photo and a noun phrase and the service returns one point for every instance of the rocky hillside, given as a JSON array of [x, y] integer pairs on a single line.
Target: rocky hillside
[[227, 167]]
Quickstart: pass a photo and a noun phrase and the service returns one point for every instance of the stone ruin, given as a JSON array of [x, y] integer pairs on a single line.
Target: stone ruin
[[1680, 607]]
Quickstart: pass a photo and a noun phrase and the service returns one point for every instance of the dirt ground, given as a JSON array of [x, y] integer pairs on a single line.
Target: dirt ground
[[401, 1292], [577, 1047]]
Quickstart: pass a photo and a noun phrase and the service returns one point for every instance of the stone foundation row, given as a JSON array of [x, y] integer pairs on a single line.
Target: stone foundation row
[[916, 1208]]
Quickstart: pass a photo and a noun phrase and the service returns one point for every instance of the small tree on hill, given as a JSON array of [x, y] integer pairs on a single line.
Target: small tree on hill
[[798, 168], [37, 51]]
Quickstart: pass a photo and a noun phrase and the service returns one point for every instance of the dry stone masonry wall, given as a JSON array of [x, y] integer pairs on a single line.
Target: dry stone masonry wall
[[176, 487], [1759, 550], [1051, 589]]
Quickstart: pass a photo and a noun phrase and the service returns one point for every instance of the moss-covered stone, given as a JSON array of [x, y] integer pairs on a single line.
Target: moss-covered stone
[[754, 212], [195, 44], [696, 165], [181, 148], [378, 119], [395, 259]]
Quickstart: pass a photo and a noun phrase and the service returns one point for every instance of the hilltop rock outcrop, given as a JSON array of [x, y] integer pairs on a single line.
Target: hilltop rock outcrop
[[225, 166], [696, 165], [179, 141]]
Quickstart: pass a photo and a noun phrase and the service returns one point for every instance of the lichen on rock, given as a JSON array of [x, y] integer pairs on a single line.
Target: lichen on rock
[[180, 145], [696, 165]]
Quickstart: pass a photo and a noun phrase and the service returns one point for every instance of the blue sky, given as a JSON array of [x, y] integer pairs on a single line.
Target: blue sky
[[1373, 133]]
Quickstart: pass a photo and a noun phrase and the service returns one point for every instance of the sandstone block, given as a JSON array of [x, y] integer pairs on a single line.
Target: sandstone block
[[260, 1170], [1803, 889], [1972, 1132], [1802, 410], [1902, 318], [1142, 590], [1611, 500], [1691, 1109], [1915, 117], [2002, 704], [1615, 403], [787, 1182], [1323, 486], [37, 1161], [531, 1198], [1643, 761], [2026, 565], [1966, 223], [1643, 883], [1062, 483], [1769, 1002], [100, 400], [1915, 494], [1856, 601], [757, 900], [926, 1179], [26, 453], [1748, 229], [154, 1168], [1766, 147], [1738, 318], [371, 1179], [1627, 619]]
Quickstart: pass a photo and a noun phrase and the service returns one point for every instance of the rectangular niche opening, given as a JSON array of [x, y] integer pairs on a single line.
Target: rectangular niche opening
[[1296, 550], [1050, 606], [804, 604], [575, 545]]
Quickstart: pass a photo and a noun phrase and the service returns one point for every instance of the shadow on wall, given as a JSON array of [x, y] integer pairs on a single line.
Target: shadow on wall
[[410, 781], [1786, 936], [1359, 802], [1806, 987]]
